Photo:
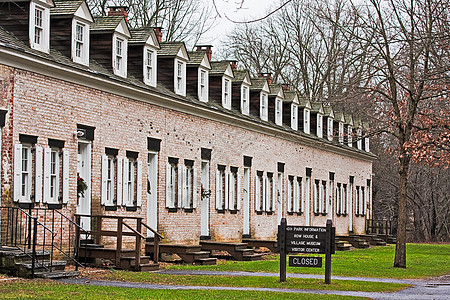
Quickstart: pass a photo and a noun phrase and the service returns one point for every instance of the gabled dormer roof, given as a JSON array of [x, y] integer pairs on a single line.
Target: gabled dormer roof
[[317, 107], [357, 122], [349, 119], [173, 49], [260, 84], [291, 97], [220, 68], [48, 3], [77, 8], [242, 76], [339, 116], [199, 58], [304, 103], [328, 111], [111, 23], [276, 90], [144, 36]]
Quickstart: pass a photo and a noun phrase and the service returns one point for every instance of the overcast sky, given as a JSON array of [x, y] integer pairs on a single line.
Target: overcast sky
[[251, 9]]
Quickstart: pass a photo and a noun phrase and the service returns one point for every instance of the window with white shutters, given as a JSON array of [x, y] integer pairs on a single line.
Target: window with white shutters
[[270, 193], [109, 180], [316, 196], [290, 194], [172, 185], [234, 186], [344, 204], [132, 181], [324, 198], [189, 187], [221, 189], [259, 192]]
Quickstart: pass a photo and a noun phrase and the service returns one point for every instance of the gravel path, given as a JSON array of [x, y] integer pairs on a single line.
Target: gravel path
[[438, 288]]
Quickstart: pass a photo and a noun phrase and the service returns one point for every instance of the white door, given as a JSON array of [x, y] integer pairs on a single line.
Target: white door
[[204, 196], [246, 208], [280, 197], [84, 171], [152, 193]]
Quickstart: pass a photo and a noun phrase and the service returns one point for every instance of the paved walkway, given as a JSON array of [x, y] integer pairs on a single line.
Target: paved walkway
[[422, 289]]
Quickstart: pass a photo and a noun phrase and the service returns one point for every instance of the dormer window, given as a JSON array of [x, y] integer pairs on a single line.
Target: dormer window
[[245, 94], [39, 27], [180, 78], [278, 116], [319, 125], [120, 56], [149, 66], [350, 138], [80, 43], [330, 129], [263, 107], [226, 97], [359, 140], [341, 132], [202, 85], [306, 122], [294, 122]]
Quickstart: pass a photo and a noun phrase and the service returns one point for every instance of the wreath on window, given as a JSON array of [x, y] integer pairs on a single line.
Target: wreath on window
[[81, 187], [205, 193]]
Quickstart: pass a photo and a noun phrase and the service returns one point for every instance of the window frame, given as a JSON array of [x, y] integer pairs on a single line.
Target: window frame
[[120, 57], [245, 99], [203, 83], [43, 28], [149, 66], [180, 77], [83, 58], [26, 185], [226, 92], [263, 108]]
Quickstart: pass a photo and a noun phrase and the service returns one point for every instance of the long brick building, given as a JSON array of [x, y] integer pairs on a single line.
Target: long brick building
[[198, 148]]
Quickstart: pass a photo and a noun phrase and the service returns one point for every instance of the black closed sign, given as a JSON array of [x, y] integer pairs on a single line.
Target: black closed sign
[[302, 261]]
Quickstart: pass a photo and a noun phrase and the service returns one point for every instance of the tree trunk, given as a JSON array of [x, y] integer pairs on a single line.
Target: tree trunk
[[400, 247]]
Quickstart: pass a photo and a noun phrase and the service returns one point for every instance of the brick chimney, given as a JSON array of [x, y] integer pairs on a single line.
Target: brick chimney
[[267, 76], [233, 64], [205, 48], [118, 11], [285, 87], [158, 32]]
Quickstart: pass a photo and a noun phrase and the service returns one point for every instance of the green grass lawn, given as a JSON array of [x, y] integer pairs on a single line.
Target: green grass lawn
[[250, 281], [40, 289], [423, 260]]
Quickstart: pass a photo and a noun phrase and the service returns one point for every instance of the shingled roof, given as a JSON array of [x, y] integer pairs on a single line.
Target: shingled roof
[[275, 88], [108, 23], [140, 35], [170, 48], [196, 58], [65, 7], [239, 75], [289, 96], [219, 67], [258, 83]]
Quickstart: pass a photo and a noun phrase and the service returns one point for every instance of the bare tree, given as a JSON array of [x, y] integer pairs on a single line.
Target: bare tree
[[184, 20]]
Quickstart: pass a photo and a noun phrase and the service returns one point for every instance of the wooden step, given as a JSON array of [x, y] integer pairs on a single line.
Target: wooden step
[[342, 246], [206, 261], [105, 253], [269, 244], [147, 267], [57, 274], [222, 246], [252, 257]]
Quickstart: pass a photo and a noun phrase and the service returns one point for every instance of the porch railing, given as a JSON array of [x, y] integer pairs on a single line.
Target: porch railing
[[39, 229], [123, 227], [379, 227]]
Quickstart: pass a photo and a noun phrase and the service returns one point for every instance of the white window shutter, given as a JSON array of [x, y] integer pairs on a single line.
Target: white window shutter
[[275, 195], [194, 188], [264, 193], [238, 192], [104, 178], [47, 162], [218, 191], [297, 196], [139, 183], [180, 186], [125, 182], [227, 189], [119, 180], [231, 191], [184, 187], [315, 196], [169, 202], [302, 196], [257, 194], [320, 198], [17, 171], [65, 176], [290, 198], [38, 176]]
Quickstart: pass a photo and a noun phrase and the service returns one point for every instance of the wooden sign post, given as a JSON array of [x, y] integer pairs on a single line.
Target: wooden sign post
[[305, 239]]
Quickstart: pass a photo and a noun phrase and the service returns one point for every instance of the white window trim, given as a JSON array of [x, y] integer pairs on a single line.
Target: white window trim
[[203, 96], [122, 70], [349, 136], [278, 111], [264, 106], [226, 92], [182, 90], [44, 45], [54, 153], [152, 80], [18, 173], [319, 125], [330, 128], [245, 99], [171, 185], [84, 59], [341, 133], [108, 193], [294, 116], [306, 121], [260, 194]]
